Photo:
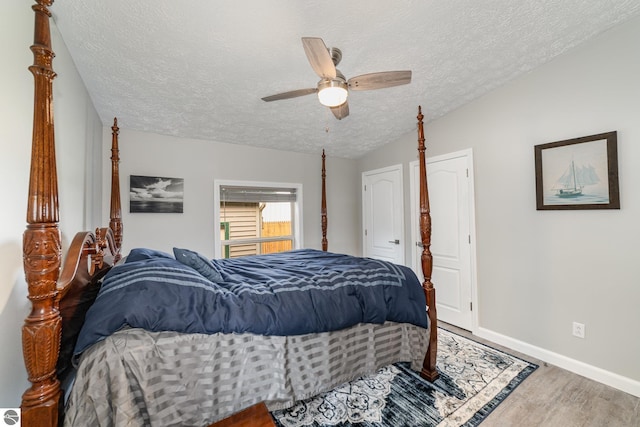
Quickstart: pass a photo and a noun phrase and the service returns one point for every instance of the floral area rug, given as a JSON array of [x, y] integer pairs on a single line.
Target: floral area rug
[[474, 379]]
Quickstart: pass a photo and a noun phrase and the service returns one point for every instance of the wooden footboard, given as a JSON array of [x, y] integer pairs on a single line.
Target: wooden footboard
[[429, 370], [89, 257]]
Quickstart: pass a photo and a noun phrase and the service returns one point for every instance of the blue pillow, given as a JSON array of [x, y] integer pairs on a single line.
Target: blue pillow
[[198, 262], [138, 254]]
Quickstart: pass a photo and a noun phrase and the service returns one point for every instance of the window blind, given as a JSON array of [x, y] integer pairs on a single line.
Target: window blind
[[232, 193]]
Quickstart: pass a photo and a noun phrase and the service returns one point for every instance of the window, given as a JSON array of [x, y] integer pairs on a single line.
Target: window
[[257, 218]]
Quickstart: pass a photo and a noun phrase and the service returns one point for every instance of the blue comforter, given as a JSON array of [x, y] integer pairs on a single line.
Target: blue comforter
[[292, 293]]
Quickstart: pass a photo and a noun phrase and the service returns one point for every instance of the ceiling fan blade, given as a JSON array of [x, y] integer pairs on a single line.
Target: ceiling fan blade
[[290, 94], [379, 80], [341, 111], [319, 57]]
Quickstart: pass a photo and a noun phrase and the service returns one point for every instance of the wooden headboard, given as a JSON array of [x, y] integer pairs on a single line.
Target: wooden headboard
[[323, 208]]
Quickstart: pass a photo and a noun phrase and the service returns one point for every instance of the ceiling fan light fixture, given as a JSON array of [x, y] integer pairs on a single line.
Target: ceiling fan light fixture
[[332, 92], [333, 88]]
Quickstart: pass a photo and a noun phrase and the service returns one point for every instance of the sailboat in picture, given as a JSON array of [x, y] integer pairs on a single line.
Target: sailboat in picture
[[574, 179]]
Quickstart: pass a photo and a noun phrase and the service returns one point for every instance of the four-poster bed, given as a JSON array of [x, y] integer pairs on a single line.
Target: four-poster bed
[[61, 297]]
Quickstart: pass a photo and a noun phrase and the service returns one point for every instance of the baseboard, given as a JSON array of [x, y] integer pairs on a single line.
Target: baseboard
[[588, 371]]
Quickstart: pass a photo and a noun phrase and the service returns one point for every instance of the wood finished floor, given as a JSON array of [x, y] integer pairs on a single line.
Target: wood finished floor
[[552, 397]]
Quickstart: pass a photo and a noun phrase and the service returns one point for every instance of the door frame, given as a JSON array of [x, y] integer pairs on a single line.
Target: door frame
[[415, 226]]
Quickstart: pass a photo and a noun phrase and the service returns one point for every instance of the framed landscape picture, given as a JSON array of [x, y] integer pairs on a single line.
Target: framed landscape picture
[[580, 173], [155, 194]]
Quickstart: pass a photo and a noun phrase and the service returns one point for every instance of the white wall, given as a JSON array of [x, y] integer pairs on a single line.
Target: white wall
[[75, 120], [538, 271], [199, 163]]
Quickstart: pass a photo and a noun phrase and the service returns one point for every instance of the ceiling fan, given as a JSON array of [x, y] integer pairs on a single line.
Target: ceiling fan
[[333, 87]]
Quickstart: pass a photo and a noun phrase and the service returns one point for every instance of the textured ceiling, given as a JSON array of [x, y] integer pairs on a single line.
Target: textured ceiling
[[198, 68]]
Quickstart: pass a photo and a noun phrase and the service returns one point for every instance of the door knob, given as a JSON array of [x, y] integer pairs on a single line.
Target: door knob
[[419, 244], [395, 242]]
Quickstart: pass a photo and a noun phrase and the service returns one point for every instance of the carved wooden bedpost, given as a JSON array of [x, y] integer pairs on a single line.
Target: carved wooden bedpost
[[323, 210], [429, 370], [42, 241], [115, 222]]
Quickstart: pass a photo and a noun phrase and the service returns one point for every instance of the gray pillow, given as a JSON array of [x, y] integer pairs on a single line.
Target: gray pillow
[[139, 254], [198, 262]]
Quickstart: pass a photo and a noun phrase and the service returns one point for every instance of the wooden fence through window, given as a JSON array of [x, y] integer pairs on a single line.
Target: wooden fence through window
[[274, 229]]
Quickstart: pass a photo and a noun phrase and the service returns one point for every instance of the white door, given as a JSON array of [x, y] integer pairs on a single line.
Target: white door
[[450, 184], [382, 203]]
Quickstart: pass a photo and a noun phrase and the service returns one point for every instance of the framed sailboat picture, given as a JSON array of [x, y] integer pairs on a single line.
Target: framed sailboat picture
[[580, 173]]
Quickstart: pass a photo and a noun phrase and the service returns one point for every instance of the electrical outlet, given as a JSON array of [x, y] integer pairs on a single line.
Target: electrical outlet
[[578, 330]]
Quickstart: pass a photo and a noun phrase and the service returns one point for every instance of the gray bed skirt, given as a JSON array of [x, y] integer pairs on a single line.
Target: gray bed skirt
[[140, 378]]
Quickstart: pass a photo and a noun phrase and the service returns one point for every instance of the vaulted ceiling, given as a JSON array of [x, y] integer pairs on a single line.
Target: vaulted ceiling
[[199, 68]]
